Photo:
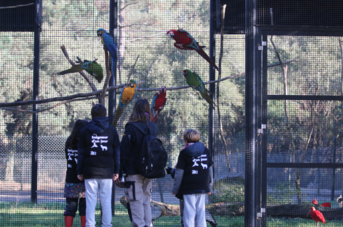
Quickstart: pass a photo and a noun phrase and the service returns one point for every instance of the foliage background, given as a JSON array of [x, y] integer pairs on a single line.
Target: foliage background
[[142, 32]]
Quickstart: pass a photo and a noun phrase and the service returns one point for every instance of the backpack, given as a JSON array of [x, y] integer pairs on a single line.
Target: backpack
[[153, 158]]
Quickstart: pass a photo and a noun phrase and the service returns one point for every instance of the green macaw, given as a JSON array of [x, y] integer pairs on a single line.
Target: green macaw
[[92, 67], [194, 80]]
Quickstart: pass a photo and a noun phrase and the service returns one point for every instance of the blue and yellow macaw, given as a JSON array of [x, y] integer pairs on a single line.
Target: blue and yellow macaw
[[108, 42], [128, 93]]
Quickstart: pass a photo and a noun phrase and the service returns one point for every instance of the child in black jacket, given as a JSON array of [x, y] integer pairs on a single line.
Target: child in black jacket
[[192, 178], [74, 189]]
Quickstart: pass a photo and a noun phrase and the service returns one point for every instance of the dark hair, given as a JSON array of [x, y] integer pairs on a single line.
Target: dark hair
[[75, 133], [98, 110], [191, 135], [141, 111]]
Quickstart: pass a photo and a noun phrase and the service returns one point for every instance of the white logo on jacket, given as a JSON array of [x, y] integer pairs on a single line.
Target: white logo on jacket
[[99, 139], [104, 148], [194, 171]]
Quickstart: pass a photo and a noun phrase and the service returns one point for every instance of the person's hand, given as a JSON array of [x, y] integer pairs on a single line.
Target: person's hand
[[80, 177], [209, 193], [115, 176], [168, 170]]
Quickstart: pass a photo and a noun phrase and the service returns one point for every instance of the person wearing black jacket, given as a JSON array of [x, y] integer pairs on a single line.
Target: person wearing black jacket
[[192, 179], [138, 193], [74, 189], [98, 163]]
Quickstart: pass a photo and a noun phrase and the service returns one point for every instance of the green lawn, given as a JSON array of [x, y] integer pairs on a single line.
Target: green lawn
[[51, 214]]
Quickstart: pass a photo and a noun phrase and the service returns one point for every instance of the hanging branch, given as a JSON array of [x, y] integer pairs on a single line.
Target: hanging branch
[[219, 77], [132, 69], [108, 76], [42, 110]]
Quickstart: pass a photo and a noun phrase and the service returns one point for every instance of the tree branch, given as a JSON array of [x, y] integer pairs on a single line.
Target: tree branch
[[218, 97], [91, 84], [94, 94]]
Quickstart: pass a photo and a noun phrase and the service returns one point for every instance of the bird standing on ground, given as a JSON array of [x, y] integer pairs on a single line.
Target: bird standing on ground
[[194, 80], [340, 200], [158, 102], [128, 93], [317, 216], [323, 204], [184, 41]]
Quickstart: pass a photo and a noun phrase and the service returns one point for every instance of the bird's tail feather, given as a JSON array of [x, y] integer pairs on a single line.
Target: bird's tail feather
[[208, 98], [67, 71], [206, 57], [117, 115]]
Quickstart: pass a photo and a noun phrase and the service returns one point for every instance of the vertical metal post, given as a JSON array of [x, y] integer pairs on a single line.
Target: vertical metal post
[[212, 77], [257, 95], [34, 164], [333, 170], [264, 140], [113, 79], [250, 114]]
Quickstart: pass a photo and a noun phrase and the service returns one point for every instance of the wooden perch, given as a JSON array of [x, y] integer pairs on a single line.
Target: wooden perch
[[237, 209], [227, 153], [96, 93]]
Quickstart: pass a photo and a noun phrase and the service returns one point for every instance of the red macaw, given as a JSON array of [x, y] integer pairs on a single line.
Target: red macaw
[[185, 41], [158, 102]]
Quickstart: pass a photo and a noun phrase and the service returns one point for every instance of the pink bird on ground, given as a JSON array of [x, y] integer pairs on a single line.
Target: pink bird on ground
[[323, 204], [317, 216]]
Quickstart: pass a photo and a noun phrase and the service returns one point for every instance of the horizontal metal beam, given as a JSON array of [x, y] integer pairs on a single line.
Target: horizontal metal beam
[[305, 165], [305, 97]]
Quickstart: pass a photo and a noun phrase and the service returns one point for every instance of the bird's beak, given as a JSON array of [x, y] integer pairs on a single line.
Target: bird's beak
[[185, 73], [170, 34], [308, 213], [99, 33]]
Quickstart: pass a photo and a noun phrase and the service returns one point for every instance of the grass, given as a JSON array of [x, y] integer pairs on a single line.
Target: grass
[[51, 215]]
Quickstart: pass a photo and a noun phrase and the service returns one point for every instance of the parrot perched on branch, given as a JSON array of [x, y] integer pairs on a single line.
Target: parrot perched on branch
[[92, 67], [128, 93], [158, 102], [185, 41], [194, 80], [108, 42]]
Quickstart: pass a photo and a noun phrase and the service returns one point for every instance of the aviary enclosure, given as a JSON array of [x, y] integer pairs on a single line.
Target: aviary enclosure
[[275, 132]]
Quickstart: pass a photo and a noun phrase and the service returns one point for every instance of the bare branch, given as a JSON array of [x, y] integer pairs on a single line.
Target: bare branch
[[132, 68], [102, 98], [42, 110], [133, 3], [94, 94], [219, 77]]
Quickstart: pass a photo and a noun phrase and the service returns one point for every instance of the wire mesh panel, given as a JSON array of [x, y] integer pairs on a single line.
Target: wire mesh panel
[[147, 55], [303, 143]]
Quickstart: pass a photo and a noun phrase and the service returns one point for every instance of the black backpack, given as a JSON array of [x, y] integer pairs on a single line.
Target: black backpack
[[153, 158]]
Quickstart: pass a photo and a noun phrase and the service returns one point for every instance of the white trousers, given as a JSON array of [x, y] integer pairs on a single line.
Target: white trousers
[[138, 196], [104, 186], [194, 210]]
